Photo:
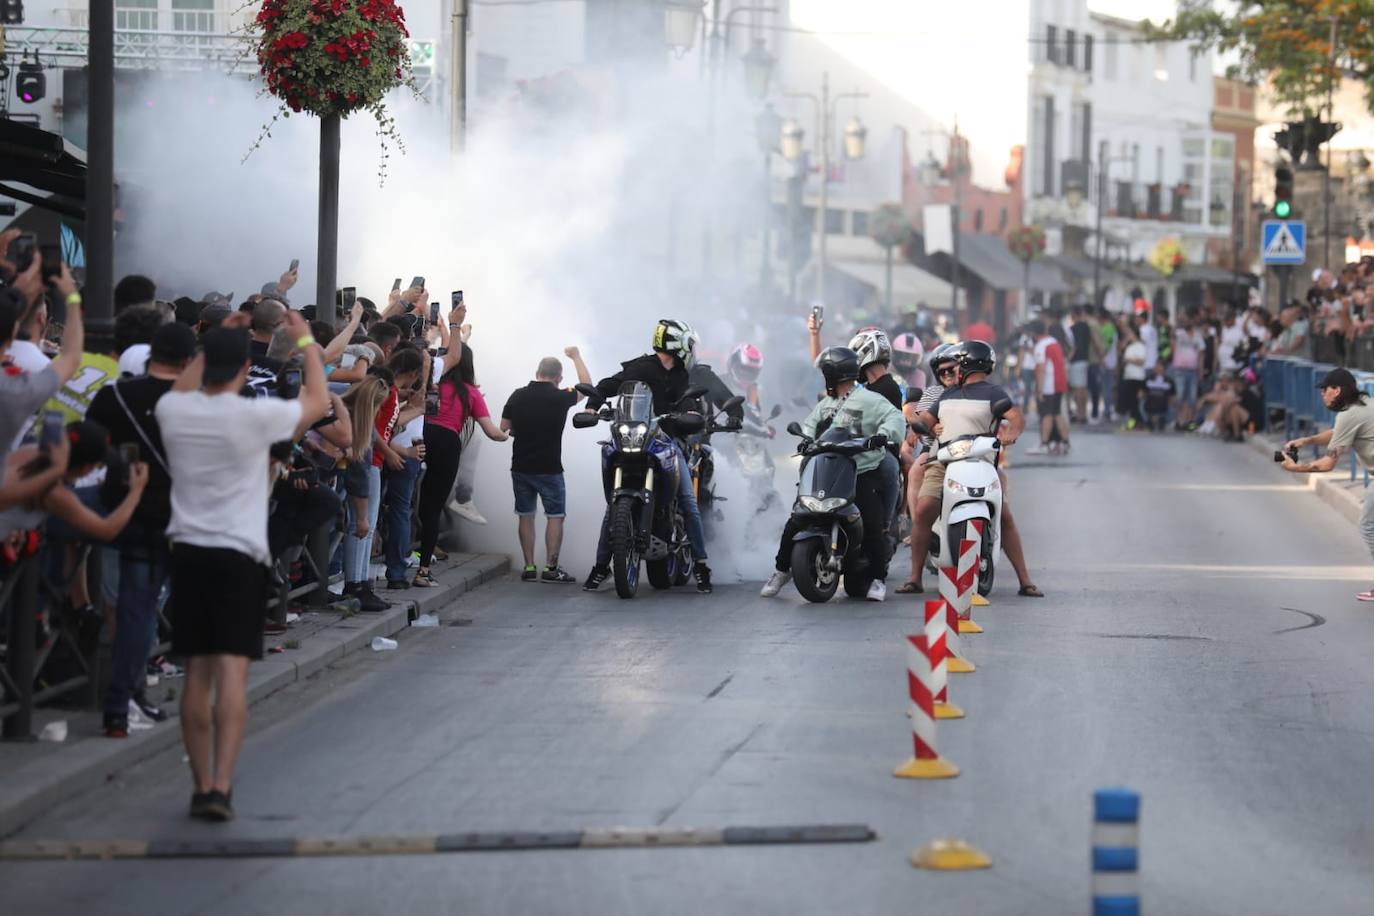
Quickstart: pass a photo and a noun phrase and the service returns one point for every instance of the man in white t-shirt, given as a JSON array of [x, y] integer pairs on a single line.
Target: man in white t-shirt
[[217, 450], [1149, 336], [1232, 336]]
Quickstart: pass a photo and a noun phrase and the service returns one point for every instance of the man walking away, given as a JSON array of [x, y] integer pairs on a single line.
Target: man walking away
[[217, 451], [1050, 382], [1081, 336], [535, 416]]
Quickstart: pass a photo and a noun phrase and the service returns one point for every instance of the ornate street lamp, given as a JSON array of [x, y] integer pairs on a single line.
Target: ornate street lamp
[[681, 18], [768, 129], [792, 136], [758, 69], [855, 138], [930, 172]]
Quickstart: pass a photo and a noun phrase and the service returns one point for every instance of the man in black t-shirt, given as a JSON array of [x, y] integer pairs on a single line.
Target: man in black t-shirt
[[1080, 363], [125, 408], [535, 416]]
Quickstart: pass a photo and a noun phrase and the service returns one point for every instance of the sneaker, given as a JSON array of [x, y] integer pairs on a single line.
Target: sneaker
[[215, 806], [200, 805], [775, 583], [160, 667], [1037, 450], [272, 628], [137, 721], [703, 574], [877, 590], [556, 574], [596, 578], [1365, 596], [149, 708], [394, 584], [414, 559], [115, 726], [529, 574], [368, 600], [468, 511]]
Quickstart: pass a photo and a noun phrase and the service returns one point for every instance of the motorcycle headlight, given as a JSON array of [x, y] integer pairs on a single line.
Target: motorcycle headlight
[[828, 504], [995, 485], [955, 486], [960, 449], [630, 436]]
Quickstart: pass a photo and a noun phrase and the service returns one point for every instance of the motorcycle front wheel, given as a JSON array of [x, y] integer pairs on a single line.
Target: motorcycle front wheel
[[624, 553], [814, 580]]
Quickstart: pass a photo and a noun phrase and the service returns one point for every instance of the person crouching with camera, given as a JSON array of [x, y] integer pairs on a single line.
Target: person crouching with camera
[[1354, 429]]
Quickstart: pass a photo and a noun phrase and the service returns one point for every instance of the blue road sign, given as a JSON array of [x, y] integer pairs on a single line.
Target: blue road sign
[[1284, 242]]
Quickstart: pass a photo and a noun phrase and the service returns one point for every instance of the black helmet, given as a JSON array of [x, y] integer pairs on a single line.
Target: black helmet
[[944, 353], [838, 364], [975, 356]]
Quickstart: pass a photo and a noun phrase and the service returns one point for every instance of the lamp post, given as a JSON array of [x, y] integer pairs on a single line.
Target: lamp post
[[1104, 165], [955, 172], [768, 133], [793, 151], [855, 141]]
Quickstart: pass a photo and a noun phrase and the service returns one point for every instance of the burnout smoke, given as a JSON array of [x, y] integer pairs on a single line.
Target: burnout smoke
[[575, 220]]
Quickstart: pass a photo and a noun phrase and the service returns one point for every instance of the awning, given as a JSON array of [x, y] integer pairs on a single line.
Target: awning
[[1207, 273], [865, 262], [987, 257]]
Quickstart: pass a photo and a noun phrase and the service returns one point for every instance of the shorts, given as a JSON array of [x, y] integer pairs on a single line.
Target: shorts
[[1048, 405], [932, 482], [218, 603], [1078, 375], [549, 488]]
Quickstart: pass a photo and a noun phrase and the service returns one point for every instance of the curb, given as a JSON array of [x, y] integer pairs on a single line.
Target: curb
[[36, 782], [1335, 488]]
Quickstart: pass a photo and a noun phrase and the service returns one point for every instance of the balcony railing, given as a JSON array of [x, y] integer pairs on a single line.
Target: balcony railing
[[1147, 200]]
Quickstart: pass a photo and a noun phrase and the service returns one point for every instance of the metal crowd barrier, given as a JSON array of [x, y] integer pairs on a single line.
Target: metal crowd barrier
[[1290, 388]]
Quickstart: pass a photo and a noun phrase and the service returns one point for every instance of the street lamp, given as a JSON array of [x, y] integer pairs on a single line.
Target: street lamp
[[758, 69], [680, 21], [855, 138], [792, 135]]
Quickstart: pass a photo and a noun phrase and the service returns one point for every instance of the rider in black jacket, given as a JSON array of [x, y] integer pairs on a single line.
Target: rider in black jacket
[[665, 371]]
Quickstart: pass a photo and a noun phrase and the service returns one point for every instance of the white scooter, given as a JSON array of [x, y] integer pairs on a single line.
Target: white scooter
[[972, 490]]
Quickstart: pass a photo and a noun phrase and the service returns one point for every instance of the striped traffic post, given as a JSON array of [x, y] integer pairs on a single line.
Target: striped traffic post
[[954, 652], [927, 762], [975, 599], [970, 553], [1116, 852], [937, 634]]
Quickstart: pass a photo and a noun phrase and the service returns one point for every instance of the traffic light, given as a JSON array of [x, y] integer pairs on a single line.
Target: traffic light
[[1283, 192], [11, 12]]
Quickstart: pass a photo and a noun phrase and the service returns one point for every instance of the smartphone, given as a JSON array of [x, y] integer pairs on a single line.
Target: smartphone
[[457, 298], [818, 315], [396, 285], [22, 250], [52, 260], [434, 313], [350, 296], [54, 425], [295, 264], [128, 457], [417, 283], [293, 379]]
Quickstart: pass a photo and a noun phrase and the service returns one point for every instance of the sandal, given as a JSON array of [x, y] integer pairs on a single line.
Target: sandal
[[909, 588], [424, 580], [1030, 591]]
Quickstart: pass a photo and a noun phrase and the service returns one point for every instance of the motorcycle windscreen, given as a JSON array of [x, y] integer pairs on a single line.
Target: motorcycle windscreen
[[635, 403], [828, 476]]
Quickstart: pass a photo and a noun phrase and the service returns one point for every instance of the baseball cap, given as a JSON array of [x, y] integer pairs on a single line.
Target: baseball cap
[[173, 343], [213, 297], [1337, 378], [214, 313], [226, 351]]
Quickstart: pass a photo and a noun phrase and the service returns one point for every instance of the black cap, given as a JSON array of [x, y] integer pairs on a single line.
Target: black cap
[[173, 343], [1338, 378], [226, 351]]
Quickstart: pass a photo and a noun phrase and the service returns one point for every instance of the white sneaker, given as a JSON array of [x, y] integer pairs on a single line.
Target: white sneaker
[[877, 591], [775, 583], [468, 511], [137, 720], [1038, 450]]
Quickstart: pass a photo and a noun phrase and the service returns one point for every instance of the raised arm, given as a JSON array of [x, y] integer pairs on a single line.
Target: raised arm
[[73, 330], [314, 396], [66, 505], [334, 352]]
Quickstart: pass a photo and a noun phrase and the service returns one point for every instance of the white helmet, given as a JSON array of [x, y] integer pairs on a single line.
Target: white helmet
[[872, 346], [678, 338]]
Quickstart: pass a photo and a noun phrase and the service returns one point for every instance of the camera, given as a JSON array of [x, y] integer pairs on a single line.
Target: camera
[[1292, 453]]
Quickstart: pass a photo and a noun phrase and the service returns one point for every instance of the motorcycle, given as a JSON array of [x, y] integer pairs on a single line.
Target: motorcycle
[[640, 478], [701, 460], [972, 490], [828, 546]]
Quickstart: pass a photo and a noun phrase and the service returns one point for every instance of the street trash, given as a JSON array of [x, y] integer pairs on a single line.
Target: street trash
[[292, 618], [425, 620], [382, 644], [54, 731]]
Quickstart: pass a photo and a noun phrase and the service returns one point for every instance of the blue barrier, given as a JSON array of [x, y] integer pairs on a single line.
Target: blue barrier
[[1290, 385]]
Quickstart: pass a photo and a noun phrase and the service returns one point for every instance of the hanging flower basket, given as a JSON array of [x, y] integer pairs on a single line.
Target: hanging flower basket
[[889, 226], [1167, 256], [1026, 243], [333, 57]]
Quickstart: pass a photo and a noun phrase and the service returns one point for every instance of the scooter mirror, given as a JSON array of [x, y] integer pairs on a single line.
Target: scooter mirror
[[731, 404], [1002, 406], [777, 411], [584, 420], [585, 389], [795, 428]]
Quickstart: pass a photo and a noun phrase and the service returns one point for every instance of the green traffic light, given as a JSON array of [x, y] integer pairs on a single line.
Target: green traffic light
[[1282, 208]]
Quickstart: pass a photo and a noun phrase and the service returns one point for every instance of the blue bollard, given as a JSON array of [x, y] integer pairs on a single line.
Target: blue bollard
[[1116, 852]]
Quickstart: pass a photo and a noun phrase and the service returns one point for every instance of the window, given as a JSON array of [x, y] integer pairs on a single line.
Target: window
[[1042, 140], [193, 16], [1192, 65], [1109, 55], [136, 14], [1081, 131], [978, 220], [1088, 54], [1070, 48], [1161, 63], [1002, 220], [860, 224], [1051, 44], [1159, 164], [834, 222]]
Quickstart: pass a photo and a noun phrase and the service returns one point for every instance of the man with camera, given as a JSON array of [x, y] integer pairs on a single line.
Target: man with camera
[[1354, 429]]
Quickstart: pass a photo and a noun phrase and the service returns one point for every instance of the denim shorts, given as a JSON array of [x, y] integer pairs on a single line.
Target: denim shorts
[[549, 488]]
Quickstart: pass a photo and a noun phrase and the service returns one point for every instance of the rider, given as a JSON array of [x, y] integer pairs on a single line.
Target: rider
[[870, 415], [966, 409], [666, 372], [743, 368], [907, 354], [875, 356]]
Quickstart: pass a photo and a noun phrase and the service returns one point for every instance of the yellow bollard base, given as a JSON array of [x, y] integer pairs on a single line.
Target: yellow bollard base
[[968, 626], [950, 855], [948, 711], [959, 665], [980, 601], [939, 768]]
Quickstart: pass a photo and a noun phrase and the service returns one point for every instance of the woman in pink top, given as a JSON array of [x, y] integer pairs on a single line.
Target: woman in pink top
[[461, 406]]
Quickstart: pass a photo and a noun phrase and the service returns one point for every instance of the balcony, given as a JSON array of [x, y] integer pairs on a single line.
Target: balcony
[[1151, 201]]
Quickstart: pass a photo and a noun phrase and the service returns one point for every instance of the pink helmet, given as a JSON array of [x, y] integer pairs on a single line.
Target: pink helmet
[[745, 363], [910, 345]]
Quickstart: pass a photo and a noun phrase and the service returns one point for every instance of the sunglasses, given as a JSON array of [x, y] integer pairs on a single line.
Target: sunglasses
[[948, 370]]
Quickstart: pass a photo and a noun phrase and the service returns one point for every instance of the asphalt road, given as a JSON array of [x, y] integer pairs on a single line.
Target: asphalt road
[[1171, 655]]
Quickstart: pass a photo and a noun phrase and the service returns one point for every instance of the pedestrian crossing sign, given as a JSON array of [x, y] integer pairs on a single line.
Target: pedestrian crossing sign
[[1284, 242]]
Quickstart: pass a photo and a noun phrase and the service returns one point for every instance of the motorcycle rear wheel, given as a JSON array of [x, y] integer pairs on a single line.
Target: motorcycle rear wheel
[[813, 581], [624, 553]]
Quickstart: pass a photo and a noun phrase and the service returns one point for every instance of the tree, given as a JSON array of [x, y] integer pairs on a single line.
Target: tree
[[890, 228], [1284, 42]]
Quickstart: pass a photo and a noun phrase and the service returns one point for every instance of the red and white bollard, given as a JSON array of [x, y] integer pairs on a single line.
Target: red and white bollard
[[927, 762], [937, 636], [976, 529], [949, 595]]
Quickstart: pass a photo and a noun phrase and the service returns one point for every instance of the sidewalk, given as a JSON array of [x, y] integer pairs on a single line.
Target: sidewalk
[[39, 774], [1335, 488]]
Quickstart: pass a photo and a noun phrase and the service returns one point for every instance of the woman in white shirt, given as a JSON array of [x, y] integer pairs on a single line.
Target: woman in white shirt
[[1132, 378]]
